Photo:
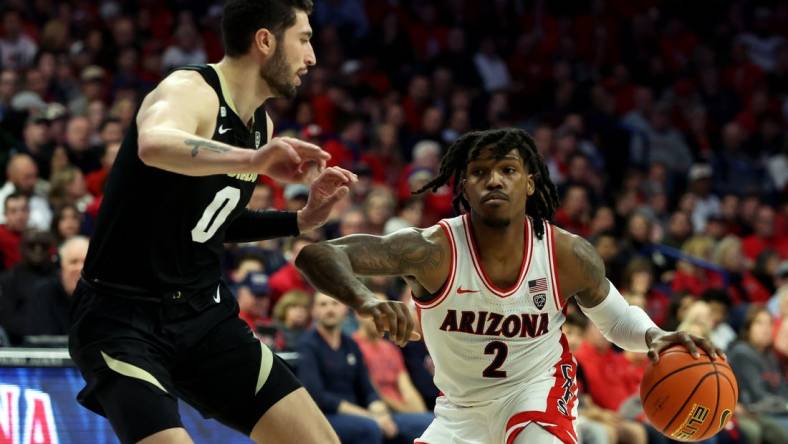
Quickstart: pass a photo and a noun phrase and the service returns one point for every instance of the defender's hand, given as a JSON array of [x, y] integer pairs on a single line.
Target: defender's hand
[[390, 316], [658, 340], [289, 160], [329, 188]]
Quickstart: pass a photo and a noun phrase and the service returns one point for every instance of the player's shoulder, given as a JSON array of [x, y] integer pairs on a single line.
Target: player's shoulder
[[575, 255], [572, 248], [185, 85], [433, 235]]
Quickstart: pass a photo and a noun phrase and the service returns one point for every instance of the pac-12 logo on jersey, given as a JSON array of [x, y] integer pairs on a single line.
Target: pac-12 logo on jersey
[[257, 139], [539, 300]]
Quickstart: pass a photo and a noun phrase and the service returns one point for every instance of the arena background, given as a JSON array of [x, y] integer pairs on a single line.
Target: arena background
[[663, 124]]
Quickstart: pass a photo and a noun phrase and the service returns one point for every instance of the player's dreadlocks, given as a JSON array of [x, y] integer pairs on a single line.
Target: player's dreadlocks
[[540, 206]]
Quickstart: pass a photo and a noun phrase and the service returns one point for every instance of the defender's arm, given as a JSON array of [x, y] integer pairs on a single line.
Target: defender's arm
[[171, 123]]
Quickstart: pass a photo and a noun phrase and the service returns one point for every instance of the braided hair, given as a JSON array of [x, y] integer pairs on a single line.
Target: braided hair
[[540, 206]]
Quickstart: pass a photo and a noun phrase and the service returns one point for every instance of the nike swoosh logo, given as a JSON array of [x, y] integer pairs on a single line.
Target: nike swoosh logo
[[218, 297], [463, 291], [223, 130]]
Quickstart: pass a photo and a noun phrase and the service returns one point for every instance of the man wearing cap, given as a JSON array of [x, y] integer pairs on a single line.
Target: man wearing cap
[[37, 142], [706, 203], [91, 88], [253, 301]]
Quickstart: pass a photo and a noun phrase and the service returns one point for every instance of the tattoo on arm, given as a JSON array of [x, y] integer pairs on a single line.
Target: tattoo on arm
[[593, 271], [332, 267], [198, 144], [399, 255]]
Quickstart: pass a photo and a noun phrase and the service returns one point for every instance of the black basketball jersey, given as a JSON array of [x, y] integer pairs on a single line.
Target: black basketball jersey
[[159, 231]]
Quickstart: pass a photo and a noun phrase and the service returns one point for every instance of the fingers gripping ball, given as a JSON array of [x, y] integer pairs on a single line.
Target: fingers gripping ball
[[688, 399]]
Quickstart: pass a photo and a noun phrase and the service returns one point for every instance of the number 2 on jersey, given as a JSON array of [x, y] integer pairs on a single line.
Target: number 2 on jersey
[[216, 213], [501, 351]]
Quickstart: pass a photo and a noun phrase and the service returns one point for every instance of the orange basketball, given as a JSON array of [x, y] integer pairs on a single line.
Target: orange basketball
[[688, 399]]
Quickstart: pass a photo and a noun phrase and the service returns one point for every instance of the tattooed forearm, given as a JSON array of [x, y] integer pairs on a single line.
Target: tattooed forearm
[[198, 144], [596, 286], [328, 269], [398, 255], [332, 267]]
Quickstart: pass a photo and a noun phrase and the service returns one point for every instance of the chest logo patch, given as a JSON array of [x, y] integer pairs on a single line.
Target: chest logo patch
[[539, 300]]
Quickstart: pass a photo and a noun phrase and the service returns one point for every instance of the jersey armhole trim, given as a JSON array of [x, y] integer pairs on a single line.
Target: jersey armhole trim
[[225, 90], [441, 294], [550, 231]]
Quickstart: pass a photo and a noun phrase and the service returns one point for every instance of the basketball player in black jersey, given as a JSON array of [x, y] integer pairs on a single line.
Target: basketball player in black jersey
[[152, 320]]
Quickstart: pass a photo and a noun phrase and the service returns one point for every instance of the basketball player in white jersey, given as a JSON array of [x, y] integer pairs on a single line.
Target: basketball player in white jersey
[[490, 288]]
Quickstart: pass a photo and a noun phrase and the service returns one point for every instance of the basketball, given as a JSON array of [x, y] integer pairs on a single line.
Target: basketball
[[688, 399]]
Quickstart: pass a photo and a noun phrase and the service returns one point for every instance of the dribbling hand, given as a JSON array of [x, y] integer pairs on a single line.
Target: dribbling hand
[[659, 340], [392, 317], [290, 160]]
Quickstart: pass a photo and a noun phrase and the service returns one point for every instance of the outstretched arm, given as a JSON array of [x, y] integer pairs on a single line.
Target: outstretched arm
[[625, 325], [332, 268]]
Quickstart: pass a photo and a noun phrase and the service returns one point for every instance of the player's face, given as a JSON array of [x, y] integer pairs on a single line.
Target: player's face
[[291, 59], [496, 187]]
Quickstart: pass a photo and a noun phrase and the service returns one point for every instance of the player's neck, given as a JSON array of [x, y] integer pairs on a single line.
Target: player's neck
[[498, 242], [247, 89]]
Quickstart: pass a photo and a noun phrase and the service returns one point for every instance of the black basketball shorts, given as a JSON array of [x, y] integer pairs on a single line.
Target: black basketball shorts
[[138, 355]]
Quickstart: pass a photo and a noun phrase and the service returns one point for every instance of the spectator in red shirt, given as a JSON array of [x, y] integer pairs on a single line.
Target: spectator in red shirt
[[96, 179], [391, 380], [592, 416], [387, 370], [611, 378], [741, 284], [17, 213], [691, 278], [288, 277], [764, 236]]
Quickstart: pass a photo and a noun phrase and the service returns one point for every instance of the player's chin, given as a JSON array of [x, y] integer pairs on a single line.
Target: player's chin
[[495, 221]]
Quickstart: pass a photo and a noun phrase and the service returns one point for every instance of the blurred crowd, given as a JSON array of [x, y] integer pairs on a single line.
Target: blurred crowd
[[663, 124]]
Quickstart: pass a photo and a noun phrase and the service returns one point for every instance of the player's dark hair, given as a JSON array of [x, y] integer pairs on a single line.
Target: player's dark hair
[[540, 206], [242, 18]]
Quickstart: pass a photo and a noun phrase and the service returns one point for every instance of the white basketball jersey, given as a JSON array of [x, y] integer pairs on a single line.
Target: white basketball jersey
[[486, 341]]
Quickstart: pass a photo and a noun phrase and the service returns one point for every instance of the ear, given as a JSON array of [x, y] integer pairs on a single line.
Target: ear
[[531, 185], [265, 42]]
